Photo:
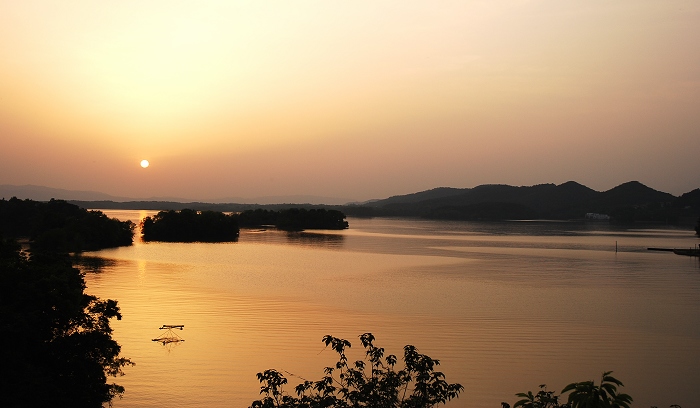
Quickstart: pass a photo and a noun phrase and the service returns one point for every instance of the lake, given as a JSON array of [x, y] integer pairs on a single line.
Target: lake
[[505, 307]]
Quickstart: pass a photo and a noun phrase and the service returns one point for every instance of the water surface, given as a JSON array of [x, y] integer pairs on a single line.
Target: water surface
[[504, 307]]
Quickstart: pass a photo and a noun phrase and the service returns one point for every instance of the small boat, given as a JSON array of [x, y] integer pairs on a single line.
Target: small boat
[[687, 251]]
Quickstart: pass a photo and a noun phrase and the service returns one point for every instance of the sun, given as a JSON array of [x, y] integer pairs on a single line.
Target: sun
[[144, 163]]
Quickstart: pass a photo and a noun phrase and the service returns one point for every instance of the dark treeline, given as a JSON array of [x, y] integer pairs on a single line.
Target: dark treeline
[[294, 219], [199, 206], [169, 205], [190, 226], [57, 225], [56, 343]]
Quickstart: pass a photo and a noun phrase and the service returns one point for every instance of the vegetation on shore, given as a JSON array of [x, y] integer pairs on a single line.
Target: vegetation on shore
[[56, 342], [57, 225]]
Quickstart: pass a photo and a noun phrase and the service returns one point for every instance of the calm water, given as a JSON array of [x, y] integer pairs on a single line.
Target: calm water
[[504, 307]]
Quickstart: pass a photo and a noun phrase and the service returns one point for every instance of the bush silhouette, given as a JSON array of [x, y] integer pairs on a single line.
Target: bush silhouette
[[373, 382], [583, 394]]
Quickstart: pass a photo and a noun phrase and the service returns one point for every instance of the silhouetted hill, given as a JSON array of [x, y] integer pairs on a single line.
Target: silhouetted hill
[[543, 200], [568, 191], [689, 200], [435, 193], [628, 202], [633, 193]]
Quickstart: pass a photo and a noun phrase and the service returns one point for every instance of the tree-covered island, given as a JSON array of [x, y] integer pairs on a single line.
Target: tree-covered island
[[190, 226], [57, 225], [211, 226]]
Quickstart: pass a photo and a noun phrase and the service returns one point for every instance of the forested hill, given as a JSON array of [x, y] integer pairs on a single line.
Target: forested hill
[[628, 202]]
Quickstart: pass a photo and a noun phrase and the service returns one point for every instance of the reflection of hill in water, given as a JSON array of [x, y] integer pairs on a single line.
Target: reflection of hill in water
[[303, 238]]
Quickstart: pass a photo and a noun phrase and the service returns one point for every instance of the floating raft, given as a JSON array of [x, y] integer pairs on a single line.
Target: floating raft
[[169, 336]]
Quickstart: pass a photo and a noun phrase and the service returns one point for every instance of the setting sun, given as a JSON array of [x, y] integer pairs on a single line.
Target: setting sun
[[471, 92], [145, 163]]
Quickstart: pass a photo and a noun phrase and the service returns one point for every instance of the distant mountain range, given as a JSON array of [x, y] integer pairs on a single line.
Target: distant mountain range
[[628, 202], [41, 193]]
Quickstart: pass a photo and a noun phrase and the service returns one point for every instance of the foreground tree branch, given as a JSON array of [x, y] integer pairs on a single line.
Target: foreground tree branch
[[373, 382]]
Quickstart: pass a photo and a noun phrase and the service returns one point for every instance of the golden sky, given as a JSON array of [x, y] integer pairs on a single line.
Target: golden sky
[[358, 100]]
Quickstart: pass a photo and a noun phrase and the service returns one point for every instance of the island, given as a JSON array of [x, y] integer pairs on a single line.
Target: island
[[189, 225]]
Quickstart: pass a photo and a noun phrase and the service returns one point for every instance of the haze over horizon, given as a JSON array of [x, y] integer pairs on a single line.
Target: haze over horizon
[[357, 100], [42, 193]]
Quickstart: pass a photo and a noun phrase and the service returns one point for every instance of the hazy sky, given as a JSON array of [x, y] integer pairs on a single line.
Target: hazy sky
[[353, 99]]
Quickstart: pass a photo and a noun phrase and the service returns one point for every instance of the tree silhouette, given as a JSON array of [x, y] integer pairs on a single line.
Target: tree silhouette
[[543, 399], [56, 343], [583, 394], [374, 382], [588, 395]]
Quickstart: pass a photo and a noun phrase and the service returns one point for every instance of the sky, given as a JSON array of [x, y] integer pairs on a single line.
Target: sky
[[354, 100]]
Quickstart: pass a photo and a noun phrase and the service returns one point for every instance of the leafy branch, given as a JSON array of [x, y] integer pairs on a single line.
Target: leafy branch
[[373, 382]]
